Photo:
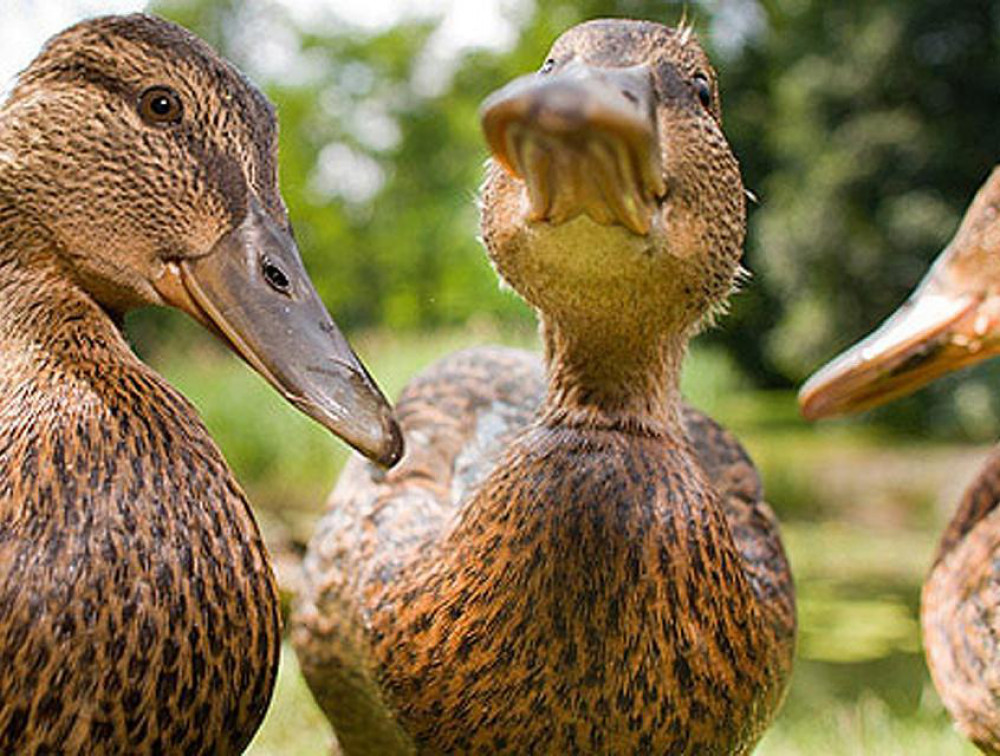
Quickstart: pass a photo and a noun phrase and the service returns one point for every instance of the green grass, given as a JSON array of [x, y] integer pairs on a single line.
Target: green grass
[[861, 512], [294, 725], [866, 726]]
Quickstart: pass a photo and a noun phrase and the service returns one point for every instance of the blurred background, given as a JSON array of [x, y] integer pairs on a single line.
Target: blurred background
[[863, 127]]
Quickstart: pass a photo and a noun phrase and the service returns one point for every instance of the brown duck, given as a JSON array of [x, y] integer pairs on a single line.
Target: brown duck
[[568, 559], [950, 321], [138, 611]]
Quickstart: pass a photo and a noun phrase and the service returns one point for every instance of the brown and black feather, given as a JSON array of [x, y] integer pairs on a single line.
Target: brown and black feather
[[138, 610], [568, 559]]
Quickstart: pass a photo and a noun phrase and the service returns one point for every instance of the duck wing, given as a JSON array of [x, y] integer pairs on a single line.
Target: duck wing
[[751, 521], [456, 418]]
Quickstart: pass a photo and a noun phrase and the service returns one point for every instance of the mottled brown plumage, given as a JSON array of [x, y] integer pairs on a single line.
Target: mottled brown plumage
[[951, 320], [567, 559], [138, 611], [960, 612]]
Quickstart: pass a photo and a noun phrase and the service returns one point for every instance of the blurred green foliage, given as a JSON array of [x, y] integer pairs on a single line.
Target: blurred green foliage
[[864, 127], [878, 123]]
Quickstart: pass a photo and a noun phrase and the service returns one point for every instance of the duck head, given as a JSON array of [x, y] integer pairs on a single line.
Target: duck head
[[613, 200], [951, 320], [147, 164]]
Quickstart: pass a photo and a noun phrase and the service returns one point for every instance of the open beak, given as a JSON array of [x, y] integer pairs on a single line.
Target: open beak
[[951, 320], [253, 291], [584, 140]]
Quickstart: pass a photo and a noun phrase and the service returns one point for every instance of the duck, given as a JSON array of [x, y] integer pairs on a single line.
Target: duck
[[950, 321], [138, 608], [568, 558]]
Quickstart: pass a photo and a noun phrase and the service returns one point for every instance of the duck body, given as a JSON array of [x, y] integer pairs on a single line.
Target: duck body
[[568, 559], [535, 588], [138, 609], [951, 320], [960, 612]]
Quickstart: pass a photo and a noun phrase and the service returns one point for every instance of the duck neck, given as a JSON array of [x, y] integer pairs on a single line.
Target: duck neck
[[43, 309], [613, 379]]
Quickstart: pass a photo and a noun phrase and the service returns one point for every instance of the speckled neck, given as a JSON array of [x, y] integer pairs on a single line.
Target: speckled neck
[[119, 516], [611, 379], [43, 311]]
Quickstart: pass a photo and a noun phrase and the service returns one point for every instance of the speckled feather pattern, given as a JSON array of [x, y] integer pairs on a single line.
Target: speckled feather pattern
[[138, 613], [138, 610], [568, 560], [639, 601], [961, 612], [181, 188]]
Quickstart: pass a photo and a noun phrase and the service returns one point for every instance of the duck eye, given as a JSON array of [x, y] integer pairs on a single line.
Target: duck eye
[[160, 106], [547, 66], [274, 276], [703, 89]]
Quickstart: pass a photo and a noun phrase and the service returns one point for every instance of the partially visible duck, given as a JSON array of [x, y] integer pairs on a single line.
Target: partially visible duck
[[950, 321], [568, 559], [138, 611]]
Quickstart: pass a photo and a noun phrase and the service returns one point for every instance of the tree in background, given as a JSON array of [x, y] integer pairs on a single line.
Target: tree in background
[[863, 127], [878, 122]]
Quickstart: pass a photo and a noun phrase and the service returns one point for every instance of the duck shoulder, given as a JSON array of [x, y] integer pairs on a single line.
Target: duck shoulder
[[456, 418], [138, 612], [958, 614], [460, 417]]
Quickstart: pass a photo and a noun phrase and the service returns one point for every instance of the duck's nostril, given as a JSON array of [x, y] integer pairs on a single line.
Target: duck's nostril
[[630, 96]]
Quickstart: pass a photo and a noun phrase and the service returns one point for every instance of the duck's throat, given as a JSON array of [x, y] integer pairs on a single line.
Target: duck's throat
[[40, 304], [615, 379]]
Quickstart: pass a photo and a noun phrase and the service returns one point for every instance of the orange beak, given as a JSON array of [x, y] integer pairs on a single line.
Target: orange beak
[[951, 320]]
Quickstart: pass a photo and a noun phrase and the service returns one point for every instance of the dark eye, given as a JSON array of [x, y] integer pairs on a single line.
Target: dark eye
[[547, 66], [275, 276], [703, 89], [160, 106]]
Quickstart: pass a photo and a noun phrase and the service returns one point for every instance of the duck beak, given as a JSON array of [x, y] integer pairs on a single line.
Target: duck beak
[[583, 140], [252, 290], [952, 320]]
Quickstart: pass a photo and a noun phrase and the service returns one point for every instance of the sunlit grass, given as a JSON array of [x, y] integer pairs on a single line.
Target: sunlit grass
[[865, 727], [294, 725]]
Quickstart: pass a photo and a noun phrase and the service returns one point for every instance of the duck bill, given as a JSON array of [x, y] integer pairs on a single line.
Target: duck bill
[[951, 321], [937, 331], [252, 291], [583, 140]]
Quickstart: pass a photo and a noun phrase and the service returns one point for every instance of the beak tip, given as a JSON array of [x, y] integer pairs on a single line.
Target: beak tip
[[809, 409], [393, 446], [809, 406], [823, 397]]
